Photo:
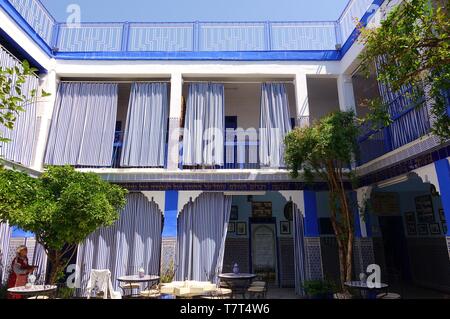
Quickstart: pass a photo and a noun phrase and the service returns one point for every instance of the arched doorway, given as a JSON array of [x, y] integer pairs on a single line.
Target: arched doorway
[[264, 251]]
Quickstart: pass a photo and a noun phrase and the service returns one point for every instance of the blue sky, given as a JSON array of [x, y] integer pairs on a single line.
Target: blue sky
[[201, 10]]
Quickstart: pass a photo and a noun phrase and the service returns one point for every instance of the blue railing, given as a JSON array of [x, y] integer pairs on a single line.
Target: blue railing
[[407, 125], [192, 36], [237, 155]]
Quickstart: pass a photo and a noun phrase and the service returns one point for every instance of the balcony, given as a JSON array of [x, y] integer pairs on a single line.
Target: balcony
[[327, 40], [408, 125]]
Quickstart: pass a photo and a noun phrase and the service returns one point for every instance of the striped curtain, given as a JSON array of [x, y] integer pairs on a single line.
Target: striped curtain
[[40, 260], [202, 230], [274, 123], [83, 125], [5, 236], [146, 128], [204, 125], [20, 148], [134, 241], [410, 122], [299, 251]]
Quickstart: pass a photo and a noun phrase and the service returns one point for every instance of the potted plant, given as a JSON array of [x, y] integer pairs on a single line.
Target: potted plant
[[319, 289]]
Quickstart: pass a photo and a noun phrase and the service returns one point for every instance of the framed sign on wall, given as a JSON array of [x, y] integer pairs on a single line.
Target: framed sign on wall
[[261, 209]]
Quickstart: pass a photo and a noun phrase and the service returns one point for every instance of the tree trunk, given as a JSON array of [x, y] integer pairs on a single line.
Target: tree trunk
[[343, 228], [55, 266]]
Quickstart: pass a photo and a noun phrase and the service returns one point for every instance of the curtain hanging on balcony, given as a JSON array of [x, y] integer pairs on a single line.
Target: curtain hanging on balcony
[[83, 125], [202, 230], [145, 132], [274, 123], [5, 236], [299, 251], [134, 241], [22, 138], [40, 260], [410, 122], [204, 125]]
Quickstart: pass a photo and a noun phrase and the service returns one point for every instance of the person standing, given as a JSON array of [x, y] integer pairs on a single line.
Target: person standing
[[19, 271]]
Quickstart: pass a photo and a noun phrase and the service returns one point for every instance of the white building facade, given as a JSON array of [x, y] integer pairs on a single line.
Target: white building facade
[[190, 117]]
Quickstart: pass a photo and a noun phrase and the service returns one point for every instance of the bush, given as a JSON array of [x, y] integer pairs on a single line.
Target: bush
[[319, 288]]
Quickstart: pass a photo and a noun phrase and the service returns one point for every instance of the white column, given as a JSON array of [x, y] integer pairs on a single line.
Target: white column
[[301, 96], [45, 106], [345, 92], [363, 195], [176, 91]]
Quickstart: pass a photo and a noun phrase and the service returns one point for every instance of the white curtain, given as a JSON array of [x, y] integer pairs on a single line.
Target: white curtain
[[134, 241], [299, 250], [83, 125], [40, 260], [275, 123], [202, 231], [20, 148], [5, 236], [146, 128], [203, 142]]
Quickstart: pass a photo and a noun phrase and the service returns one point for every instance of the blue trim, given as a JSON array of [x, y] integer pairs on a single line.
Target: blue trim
[[355, 34], [443, 174], [19, 50], [23, 24], [311, 221], [204, 56], [170, 214]]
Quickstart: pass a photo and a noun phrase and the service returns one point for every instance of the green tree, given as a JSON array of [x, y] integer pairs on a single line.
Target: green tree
[[325, 151], [414, 41], [13, 98], [61, 207]]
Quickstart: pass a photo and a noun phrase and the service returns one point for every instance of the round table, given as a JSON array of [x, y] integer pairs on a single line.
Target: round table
[[238, 283], [136, 279], [362, 286], [34, 290]]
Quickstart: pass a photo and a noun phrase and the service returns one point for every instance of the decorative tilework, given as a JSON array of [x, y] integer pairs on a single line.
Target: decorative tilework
[[287, 267], [388, 167], [236, 251], [363, 254], [168, 247], [313, 259]]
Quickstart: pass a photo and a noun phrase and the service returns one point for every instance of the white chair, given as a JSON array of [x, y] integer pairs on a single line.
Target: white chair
[[101, 279]]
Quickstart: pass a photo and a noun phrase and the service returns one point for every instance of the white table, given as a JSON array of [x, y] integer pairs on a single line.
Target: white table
[[34, 290], [362, 286], [239, 282], [133, 279]]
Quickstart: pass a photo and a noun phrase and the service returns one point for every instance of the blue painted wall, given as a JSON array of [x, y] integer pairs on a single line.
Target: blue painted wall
[[170, 214]]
